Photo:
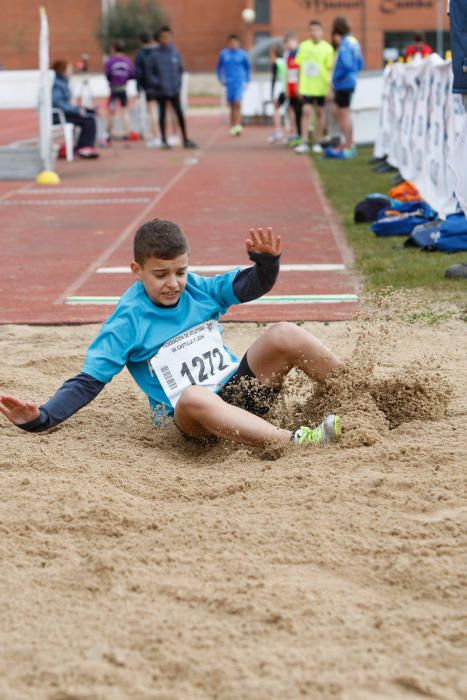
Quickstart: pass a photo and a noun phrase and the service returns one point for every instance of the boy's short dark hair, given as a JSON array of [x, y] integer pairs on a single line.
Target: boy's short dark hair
[[232, 37], [145, 37], [159, 239], [341, 26], [165, 28], [118, 45], [315, 22]]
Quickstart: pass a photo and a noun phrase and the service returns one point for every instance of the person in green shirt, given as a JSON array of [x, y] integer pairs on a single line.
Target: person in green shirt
[[315, 58]]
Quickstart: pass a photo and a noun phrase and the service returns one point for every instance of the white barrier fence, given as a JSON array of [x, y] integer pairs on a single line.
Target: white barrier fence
[[422, 126]]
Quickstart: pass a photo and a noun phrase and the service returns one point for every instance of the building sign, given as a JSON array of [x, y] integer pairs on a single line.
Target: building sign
[[323, 5], [389, 7]]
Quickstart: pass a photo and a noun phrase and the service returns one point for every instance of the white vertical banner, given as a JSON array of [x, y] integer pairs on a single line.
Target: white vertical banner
[[420, 130], [396, 106], [383, 136], [45, 97], [434, 181], [421, 122]]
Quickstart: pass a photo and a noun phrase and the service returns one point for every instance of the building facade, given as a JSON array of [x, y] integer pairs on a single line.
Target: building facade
[[201, 26]]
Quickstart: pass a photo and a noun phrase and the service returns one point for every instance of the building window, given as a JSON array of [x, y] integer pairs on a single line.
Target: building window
[[396, 42], [260, 53], [262, 9]]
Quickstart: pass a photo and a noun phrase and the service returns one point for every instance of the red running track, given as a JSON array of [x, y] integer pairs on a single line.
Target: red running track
[[55, 239]]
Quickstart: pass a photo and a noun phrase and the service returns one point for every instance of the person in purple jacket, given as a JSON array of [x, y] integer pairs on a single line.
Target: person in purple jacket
[[119, 69]]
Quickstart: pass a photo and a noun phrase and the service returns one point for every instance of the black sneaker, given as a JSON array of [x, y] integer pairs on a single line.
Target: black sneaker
[[457, 271], [189, 144], [165, 146]]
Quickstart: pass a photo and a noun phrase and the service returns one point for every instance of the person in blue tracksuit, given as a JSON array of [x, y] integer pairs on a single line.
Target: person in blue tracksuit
[[349, 62], [233, 71]]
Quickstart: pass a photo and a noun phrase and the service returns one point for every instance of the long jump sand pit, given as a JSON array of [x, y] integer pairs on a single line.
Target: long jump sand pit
[[136, 566]]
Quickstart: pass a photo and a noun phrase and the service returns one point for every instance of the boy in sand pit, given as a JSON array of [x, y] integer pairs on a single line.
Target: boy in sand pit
[[165, 330]]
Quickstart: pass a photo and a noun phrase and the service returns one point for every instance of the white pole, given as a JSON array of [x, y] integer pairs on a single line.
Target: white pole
[[45, 97], [439, 28]]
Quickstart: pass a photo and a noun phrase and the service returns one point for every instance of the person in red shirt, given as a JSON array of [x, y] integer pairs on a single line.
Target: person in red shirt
[[292, 68], [419, 47]]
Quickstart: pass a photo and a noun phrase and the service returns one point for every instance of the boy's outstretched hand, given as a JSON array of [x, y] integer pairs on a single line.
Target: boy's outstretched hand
[[263, 242], [17, 411]]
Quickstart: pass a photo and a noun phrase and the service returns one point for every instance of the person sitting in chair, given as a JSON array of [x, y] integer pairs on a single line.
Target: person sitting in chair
[[85, 119]]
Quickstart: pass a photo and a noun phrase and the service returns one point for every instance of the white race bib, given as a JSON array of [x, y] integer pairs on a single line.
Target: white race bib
[[311, 70], [292, 76], [195, 357]]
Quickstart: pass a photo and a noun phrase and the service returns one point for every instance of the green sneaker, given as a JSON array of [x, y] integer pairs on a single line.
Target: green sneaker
[[294, 141], [328, 431]]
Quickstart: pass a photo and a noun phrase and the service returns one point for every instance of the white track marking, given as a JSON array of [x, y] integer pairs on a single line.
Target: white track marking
[[312, 267], [71, 202], [272, 299], [91, 190]]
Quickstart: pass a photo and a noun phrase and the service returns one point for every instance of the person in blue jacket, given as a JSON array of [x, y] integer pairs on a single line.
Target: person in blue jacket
[[164, 82], [349, 61], [83, 118], [233, 71]]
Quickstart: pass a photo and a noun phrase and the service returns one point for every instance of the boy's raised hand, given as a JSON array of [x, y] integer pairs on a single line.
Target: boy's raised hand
[[263, 242], [17, 411]]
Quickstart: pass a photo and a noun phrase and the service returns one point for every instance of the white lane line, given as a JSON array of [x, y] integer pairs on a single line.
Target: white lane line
[[312, 267], [92, 190], [272, 299], [71, 202]]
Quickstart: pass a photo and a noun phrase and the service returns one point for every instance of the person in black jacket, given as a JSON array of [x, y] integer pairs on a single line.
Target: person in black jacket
[[164, 82], [148, 45]]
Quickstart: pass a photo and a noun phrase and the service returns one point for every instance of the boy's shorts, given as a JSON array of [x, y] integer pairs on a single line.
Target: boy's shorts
[[343, 98], [244, 391], [315, 100], [235, 92], [120, 95]]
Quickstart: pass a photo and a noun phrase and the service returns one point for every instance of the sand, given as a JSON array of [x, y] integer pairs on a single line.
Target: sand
[[135, 566]]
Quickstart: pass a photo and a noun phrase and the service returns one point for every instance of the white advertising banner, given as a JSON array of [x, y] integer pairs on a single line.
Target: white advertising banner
[[421, 127]]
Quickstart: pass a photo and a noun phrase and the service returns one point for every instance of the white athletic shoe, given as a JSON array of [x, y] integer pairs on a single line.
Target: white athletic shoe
[[317, 148], [173, 140], [153, 143], [302, 148], [276, 136]]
